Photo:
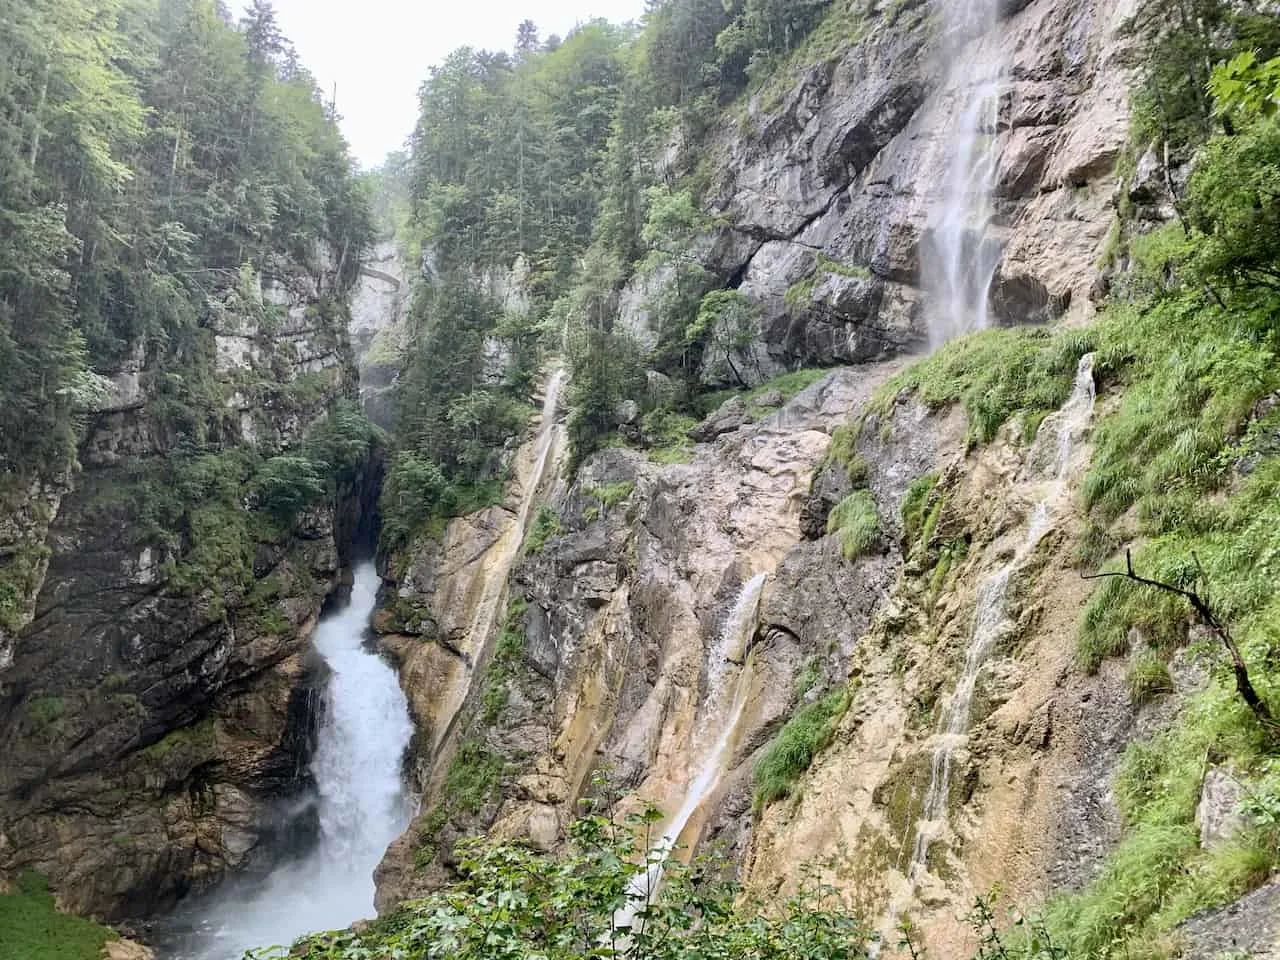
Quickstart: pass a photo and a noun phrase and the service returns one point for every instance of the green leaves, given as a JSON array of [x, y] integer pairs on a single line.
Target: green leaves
[[144, 171], [1246, 88], [511, 902], [1233, 202]]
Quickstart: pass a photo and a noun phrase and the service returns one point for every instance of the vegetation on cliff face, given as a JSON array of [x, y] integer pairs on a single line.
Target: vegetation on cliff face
[[534, 198], [1186, 467], [182, 226], [1185, 464], [152, 159], [160, 167]]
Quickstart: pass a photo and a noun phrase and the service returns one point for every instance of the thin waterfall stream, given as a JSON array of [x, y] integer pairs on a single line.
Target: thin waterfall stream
[[363, 735], [960, 259], [548, 445], [726, 700], [1056, 441], [991, 615]]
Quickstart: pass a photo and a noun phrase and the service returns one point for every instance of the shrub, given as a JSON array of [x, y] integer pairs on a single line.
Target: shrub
[[286, 485], [546, 524], [508, 900], [18, 574], [415, 489]]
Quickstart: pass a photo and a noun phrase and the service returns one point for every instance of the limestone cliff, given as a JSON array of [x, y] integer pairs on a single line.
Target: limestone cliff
[[617, 655], [378, 308], [155, 711], [828, 181], [619, 611]]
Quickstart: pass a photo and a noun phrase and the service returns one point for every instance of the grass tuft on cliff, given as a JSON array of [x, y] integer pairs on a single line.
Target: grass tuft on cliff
[[797, 743], [32, 928], [856, 524], [996, 374]]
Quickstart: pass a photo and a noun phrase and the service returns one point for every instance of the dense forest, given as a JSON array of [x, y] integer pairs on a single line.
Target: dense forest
[[558, 167], [161, 164]]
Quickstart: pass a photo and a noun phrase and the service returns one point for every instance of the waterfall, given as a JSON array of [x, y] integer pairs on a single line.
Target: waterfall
[[499, 558], [990, 620], [1055, 442], [363, 736], [958, 258], [724, 706]]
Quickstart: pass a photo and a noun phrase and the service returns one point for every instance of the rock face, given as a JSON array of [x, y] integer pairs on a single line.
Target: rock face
[[622, 616], [624, 657], [824, 195], [378, 308], [829, 188], [155, 713], [1250, 927]]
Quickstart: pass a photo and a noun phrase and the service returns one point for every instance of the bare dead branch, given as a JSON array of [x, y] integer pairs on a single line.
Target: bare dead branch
[[1244, 685]]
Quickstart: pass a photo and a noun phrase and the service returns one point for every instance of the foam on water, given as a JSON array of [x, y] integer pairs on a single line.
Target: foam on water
[[363, 735]]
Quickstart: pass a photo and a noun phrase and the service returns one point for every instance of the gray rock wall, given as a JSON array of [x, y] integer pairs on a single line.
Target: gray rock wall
[[152, 732], [829, 194]]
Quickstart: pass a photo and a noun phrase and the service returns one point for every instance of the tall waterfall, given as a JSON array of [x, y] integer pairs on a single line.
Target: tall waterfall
[[363, 736], [723, 711], [990, 621], [958, 257], [548, 444]]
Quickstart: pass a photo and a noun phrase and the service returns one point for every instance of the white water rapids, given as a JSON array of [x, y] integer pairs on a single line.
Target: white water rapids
[[364, 732]]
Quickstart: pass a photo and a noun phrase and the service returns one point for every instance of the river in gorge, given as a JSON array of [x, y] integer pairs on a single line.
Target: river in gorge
[[361, 742]]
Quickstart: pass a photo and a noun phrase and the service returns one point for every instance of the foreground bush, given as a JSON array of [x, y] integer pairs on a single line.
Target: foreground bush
[[513, 903]]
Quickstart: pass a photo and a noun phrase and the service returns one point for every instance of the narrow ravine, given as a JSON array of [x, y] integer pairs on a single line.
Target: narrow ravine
[[364, 733]]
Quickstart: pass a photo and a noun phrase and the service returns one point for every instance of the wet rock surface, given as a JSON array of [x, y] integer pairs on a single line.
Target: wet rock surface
[[1249, 927], [621, 610], [829, 189], [155, 734]]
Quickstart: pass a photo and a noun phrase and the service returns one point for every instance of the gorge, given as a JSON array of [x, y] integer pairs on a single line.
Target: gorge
[[650, 515]]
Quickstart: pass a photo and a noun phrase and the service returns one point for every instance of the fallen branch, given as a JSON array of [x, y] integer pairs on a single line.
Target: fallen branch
[[1244, 686]]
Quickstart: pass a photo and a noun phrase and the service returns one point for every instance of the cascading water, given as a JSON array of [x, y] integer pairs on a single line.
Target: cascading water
[[959, 259], [362, 740], [991, 615], [498, 561], [724, 707], [1063, 429]]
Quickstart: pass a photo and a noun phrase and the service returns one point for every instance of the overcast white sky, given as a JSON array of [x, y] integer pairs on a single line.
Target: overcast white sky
[[379, 51]]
